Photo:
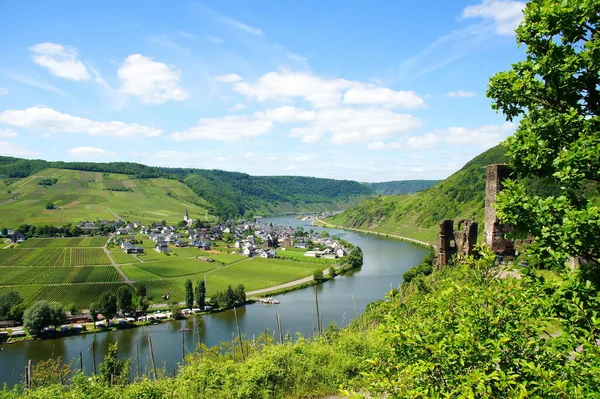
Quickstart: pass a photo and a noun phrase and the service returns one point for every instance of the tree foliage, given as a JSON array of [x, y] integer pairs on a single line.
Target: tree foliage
[[355, 258], [555, 92], [189, 294], [8, 304], [200, 294], [43, 314], [114, 371], [107, 305], [125, 299]]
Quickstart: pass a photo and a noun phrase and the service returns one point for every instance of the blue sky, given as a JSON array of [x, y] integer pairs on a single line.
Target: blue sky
[[362, 90]]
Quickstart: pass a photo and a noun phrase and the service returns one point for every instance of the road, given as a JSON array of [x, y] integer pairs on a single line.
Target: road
[[115, 264], [325, 224]]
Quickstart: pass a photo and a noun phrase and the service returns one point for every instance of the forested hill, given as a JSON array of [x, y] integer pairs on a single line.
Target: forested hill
[[401, 186], [229, 194], [417, 215]]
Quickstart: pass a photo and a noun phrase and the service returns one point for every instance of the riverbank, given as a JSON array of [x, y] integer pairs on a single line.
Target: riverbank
[[424, 244]]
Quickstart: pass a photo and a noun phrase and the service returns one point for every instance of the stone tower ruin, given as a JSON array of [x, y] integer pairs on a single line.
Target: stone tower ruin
[[460, 242], [495, 231]]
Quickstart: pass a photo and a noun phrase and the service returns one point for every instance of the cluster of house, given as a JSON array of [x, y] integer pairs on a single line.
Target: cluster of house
[[252, 239]]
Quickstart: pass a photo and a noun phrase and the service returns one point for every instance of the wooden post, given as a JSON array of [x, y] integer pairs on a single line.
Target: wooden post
[[137, 356], [183, 347], [319, 327], [94, 355], [81, 361], [239, 333], [152, 357], [278, 319]]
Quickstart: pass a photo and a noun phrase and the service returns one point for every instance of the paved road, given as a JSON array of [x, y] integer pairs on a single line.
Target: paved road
[[326, 224], [115, 264]]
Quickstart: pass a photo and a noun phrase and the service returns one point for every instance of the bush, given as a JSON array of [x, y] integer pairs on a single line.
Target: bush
[[318, 276]]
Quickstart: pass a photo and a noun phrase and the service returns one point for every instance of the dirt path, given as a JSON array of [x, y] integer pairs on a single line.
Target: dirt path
[[115, 264], [325, 224], [114, 214]]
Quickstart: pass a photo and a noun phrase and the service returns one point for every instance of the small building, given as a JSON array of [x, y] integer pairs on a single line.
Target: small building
[[341, 252], [162, 247], [18, 237], [270, 253]]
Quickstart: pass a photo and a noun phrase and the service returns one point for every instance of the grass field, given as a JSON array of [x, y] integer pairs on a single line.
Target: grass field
[[83, 195], [75, 270]]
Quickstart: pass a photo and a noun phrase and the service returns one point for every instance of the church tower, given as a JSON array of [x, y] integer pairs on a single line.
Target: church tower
[[186, 217]]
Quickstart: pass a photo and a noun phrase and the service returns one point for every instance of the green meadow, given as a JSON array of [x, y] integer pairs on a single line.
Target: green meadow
[[78, 271], [80, 195]]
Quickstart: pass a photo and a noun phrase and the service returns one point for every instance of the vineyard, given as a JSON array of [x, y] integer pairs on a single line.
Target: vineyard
[[79, 294], [19, 275], [178, 267], [84, 242], [50, 256], [122, 258]]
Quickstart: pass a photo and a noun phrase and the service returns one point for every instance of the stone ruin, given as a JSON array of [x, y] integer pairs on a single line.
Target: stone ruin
[[495, 231], [460, 243]]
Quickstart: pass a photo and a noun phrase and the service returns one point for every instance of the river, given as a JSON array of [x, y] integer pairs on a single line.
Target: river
[[385, 260]]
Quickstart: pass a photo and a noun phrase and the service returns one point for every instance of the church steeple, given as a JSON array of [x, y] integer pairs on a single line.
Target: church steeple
[[186, 217]]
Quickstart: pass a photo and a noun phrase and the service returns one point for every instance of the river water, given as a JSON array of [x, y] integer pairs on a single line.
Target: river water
[[385, 260]]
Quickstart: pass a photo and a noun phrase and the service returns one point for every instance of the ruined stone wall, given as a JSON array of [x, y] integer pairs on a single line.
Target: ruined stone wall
[[460, 242], [494, 230]]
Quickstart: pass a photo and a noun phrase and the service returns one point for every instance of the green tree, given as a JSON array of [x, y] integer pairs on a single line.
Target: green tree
[[125, 299], [144, 304], [240, 293], [318, 276], [107, 305], [7, 302], [555, 92], [175, 311], [114, 371], [332, 272], [200, 294], [49, 205], [355, 257], [43, 314], [325, 234], [94, 312], [230, 297], [189, 294]]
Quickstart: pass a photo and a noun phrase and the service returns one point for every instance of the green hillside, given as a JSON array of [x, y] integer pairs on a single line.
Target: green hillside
[[401, 186], [80, 195], [417, 215], [227, 194]]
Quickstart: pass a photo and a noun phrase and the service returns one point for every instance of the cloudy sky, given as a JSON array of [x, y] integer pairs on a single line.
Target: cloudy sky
[[363, 90]]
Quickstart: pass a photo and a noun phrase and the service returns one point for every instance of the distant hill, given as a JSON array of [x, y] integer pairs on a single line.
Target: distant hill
[[221, 193], [401, 186], [83, 195], [417, 215]]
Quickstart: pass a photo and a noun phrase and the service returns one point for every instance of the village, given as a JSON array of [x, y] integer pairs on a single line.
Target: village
[[251, 239]]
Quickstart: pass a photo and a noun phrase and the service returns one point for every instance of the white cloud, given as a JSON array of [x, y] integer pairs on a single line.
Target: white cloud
[[242, 26], [348, 125], [295, 57], [90, 152], [7, 133], [289, 114], [488, 135], [323, 92], [34, 83], [301, 158], [3, 90], [51, 121], [229, 78], [429, 140], [460, 94], [384, 96], [229, 128], [506, 15], [483, 136], [151, 81], [382, 145], [237, 107], [15, 150], [60, 61]]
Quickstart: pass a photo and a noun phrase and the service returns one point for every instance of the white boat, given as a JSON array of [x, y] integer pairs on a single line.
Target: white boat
[[270, 301]]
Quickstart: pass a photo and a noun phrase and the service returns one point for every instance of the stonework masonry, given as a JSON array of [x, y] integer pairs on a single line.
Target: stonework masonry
[[495, 231], [460, 242]]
